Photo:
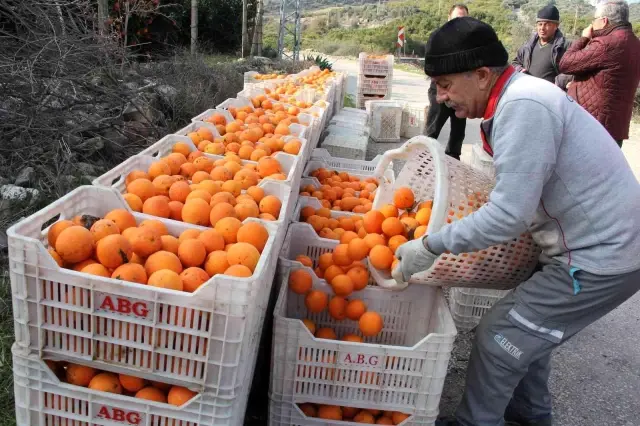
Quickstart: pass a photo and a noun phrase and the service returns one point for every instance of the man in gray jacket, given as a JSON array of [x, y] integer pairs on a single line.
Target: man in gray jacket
[[560, 176], [541, 54]]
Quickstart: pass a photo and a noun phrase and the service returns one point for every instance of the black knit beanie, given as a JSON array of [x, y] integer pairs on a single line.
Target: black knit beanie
[[463, 44], [549, 13]]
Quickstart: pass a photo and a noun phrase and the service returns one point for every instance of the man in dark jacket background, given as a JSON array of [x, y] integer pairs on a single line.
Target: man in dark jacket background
[[541, 54], [605, 63], [440, 113]]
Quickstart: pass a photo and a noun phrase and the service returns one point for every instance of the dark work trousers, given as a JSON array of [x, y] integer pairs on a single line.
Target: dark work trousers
[[510, 361], [438, 115], [619, 143]]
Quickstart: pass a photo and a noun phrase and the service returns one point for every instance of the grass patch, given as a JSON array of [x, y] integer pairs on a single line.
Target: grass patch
[[412, 68]]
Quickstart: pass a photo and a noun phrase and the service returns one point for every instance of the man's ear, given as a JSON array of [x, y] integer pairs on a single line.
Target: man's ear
[[484, 76]]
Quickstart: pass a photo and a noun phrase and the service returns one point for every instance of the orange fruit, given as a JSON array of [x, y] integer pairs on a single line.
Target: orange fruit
[[325, 260], [243, 254], [341, 255], [316, 301], [179, 395], [364, 417], [166, 278], [423, 216], [355, 309], [122, 218], [136, 174], [300, 281], [359, 277], [74, 244], [389, 210], [398, 417], [392, 226], [403, 198], [373, 240], [192, 252], [179, 191], [342, 285], [396, 241], [381, 257], [268, 166], [305, 260], [130, 383], [331, 272], [158, 168], [309, 410], [157, 205], [170, 243], [338, 308], [131, 272], [151, 393], [56, 256], [347, 237], [113, 251], [162, 260], [349, 412], [330, 412], [311, 326], [196, 212], [189, 234], [212, 240], [175, 210], [326, 333], [358, 249], [106, 382], [239, 271], [102, 228], [370, 323], [80, 375], [96, 269], [192, 278], [246, 209], [56, 229], [352, 338], [145, 241], [220, 211], [228, 227], [256, 193], [162, 184], [156, 225], [216, 263], [372, 222], [270, 204], [384, 421]]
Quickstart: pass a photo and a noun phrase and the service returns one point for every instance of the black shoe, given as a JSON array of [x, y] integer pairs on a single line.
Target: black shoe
[[511, 418]]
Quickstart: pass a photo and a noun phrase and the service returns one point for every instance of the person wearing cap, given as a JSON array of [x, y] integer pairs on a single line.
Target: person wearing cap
[[605, 64], [542, 53], [439, 113], [559, 176]]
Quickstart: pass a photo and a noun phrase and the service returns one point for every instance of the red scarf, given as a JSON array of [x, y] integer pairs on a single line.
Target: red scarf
[[494, 97]]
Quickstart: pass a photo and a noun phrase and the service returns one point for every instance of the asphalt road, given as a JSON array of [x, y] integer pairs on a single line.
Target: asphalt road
[[596, 375]]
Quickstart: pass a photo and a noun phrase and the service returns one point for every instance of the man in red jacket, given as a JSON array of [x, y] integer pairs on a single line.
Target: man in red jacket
[[605, 63]]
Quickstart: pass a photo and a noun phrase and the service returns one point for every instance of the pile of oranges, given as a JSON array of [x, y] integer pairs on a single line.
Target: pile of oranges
[[268, 76], [344, 281], [117, 247], [204, 191], [340, 191], [88, 377], [353, 414]]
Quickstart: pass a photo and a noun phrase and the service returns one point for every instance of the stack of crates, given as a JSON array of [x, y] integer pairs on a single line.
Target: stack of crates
[[375, 75]]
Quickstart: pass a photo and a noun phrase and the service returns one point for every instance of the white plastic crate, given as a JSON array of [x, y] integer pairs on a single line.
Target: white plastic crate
[[401, 369], [363, 98], [375, 85], [468, 305], [283, 413], [203, 116], [456, 189], [195, 125], [414, 120], [482, 161], [375, 66], [189, 339], [352, 127], [350, 117], [385, 120], [41, 399], [351, 146]]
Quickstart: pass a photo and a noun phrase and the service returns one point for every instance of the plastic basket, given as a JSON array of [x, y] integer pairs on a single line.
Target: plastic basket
[[468, 305], [375, 66], [190, 339], [350, 146], [414, 120], [401, 369], [456, 189], [386, 120], [41, 399], [375, 86], [283, 413], [482, 161]]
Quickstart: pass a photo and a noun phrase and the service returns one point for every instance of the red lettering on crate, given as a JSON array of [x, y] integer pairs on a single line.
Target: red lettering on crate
[[124, 306], [119, 415], [361, 359]]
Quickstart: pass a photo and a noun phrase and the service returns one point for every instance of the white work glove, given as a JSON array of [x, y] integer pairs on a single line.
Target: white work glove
[[413, 257]]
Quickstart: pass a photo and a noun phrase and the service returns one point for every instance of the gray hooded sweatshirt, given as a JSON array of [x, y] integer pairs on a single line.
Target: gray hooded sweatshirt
[[559, 175]]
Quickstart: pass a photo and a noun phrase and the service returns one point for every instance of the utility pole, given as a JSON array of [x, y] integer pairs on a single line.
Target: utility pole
[[194, 26], [289, 35], [256, 45], [244, 27]]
